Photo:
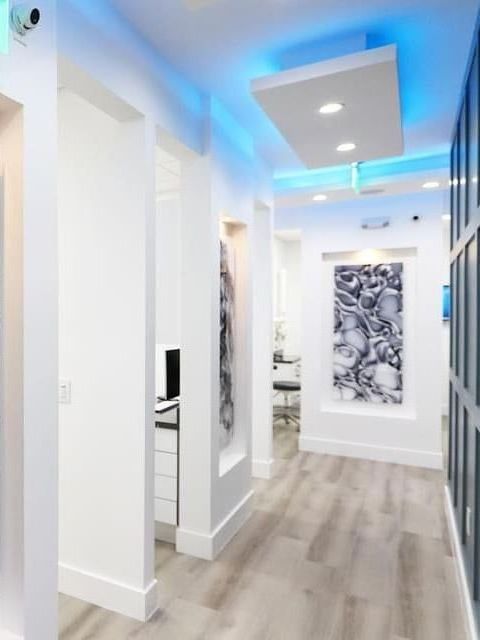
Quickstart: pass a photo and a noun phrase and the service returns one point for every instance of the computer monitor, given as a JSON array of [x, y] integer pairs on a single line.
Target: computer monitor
[[167, 371]]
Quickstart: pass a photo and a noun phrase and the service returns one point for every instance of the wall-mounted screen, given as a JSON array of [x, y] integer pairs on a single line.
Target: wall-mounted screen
[[446, 302]]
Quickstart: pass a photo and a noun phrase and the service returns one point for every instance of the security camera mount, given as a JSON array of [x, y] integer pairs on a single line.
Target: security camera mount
[[24, 19]]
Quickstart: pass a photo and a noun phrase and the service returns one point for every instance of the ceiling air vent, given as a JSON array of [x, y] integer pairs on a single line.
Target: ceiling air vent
[[375, 223], [371, 192]]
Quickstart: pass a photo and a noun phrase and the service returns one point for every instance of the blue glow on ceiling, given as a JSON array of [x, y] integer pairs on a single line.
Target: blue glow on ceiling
[[225, 124], [222, 47], [370, 172], [379, 169], [106, 18], [428, 98]]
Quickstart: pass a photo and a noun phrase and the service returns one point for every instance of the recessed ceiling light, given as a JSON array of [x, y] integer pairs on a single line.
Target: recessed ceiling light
[[431, 185], [346, 146], [446, 216], [320, 197], [330, 108]]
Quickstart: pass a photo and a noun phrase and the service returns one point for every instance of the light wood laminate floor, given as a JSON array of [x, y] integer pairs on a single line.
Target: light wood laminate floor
[[336, 549]]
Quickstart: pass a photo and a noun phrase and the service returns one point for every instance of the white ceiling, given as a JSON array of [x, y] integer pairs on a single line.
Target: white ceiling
[[198, 4], [366, 83], [225, 44]]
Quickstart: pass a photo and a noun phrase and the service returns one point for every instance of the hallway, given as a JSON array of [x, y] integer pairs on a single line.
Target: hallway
[[337, 549]]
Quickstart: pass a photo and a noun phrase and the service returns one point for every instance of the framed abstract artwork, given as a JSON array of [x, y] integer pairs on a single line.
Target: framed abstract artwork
[[368, 333], [227, 344]]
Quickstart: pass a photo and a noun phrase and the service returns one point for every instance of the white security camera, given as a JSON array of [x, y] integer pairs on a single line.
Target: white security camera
[[24, 18]]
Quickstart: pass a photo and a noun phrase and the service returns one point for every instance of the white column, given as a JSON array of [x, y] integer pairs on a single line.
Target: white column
[[28, 447], [199, 285], [262, 435], [107, 346]]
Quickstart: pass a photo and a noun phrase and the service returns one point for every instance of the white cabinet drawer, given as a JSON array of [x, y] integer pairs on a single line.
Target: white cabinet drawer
[[165, 511], [166, 440], [166, 464], [166, 488], [170, 417]]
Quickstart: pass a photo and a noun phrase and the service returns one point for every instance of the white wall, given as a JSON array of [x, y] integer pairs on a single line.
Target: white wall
[[168, 260], [28, 451], [101, 46], [106, 343], [96, 43], [233, 196], [103, 59], [11, 143], [407, 433]]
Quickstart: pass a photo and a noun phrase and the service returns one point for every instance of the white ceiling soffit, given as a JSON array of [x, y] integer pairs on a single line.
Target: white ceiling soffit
[[366, 83], [394, 186], [198, 4]]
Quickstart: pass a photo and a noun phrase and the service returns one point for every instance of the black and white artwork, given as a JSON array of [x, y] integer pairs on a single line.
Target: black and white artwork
[[227, 344], [368, 333]]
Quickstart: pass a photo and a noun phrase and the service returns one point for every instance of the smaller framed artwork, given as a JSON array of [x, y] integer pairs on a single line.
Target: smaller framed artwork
[[446, 302]]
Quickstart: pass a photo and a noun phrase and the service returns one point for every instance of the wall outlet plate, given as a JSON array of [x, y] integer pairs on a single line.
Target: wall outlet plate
[[64, 392]]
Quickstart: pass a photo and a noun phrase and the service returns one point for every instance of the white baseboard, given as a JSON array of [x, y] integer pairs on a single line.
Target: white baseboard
[[428, 459], [470, 623], [140, 604], [262, 469], [208, 546]]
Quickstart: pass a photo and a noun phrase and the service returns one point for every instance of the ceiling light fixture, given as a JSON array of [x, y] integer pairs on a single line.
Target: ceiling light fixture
[[431, 185], [320, 197], [346, 146], [330, 108], [446, 216]]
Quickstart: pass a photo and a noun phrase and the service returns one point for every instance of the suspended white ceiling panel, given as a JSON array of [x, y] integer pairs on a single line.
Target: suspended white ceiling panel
[[366, 83]]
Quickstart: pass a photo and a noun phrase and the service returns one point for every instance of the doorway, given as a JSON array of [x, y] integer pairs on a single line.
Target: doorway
[[167, 347], [287, 347]]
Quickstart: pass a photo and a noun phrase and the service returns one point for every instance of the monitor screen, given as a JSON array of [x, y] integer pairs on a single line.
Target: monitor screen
[[446, 302], [172, 373], [167, 372]]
